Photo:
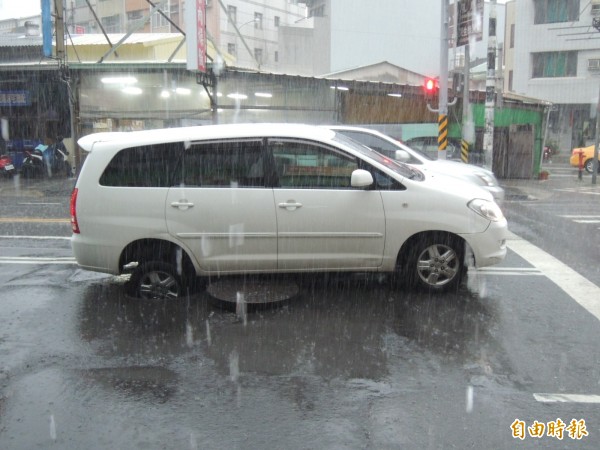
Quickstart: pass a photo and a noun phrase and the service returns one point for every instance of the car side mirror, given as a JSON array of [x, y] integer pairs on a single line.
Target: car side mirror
[[361, 178], [402, 156]]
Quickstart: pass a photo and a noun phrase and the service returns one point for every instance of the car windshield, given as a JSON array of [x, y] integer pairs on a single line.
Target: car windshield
[[398, 167], [419, 152]]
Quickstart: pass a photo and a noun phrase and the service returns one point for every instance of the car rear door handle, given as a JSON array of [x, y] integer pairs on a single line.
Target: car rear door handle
[[182, 204], [290, 205]]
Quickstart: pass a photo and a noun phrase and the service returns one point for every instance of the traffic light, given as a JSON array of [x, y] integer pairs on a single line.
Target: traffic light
[[430, 87]]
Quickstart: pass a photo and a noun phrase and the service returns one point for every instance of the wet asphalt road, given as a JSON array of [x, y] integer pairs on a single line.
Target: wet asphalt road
[[352, 362]]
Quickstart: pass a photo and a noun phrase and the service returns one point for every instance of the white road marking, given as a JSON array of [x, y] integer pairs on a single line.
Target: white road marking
[[579, 216], [579, 288], [579, 191], [582, 218], [37, 260], [514, 271], [8, 236], [566, 398]]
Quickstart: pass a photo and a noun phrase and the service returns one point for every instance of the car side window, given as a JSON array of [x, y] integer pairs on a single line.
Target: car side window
[[224, 164], [144, 166], [308, 166]]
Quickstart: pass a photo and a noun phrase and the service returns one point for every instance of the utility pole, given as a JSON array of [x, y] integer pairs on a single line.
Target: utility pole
[[468, 130], [443, 85], [490, 89], [60, 31]]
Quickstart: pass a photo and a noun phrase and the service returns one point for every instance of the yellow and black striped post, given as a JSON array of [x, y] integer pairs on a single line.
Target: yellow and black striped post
[[464, 151], [442, 132]]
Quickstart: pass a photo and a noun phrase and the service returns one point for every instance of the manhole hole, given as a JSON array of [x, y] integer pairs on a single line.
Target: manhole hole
[[253, 292]]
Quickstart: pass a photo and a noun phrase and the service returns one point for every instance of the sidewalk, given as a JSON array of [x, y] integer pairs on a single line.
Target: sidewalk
[[562, 176], [36, 187]]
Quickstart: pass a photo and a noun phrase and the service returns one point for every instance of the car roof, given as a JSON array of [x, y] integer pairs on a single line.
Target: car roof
[[124, 139]]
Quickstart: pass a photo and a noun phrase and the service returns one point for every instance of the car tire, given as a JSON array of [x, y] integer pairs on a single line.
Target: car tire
[[435, 262], [589, 165], [156, 280]]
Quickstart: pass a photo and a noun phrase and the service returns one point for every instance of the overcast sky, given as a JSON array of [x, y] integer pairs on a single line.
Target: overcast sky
[[10, 9]]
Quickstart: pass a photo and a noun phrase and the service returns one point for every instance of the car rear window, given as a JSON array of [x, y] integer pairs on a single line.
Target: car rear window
[[144, 166]]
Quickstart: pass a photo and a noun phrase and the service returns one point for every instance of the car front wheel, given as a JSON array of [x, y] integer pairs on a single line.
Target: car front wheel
[[435, 263], [156, 280], [589, 165]]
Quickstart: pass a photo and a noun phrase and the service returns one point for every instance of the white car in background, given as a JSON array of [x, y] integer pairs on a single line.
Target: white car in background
[[392, 148]]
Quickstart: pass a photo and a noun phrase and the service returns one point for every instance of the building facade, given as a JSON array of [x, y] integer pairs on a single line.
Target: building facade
[[552, 52], [248, 30]]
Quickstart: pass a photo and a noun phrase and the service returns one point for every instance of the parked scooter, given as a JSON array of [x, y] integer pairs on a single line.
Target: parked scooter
[[33, 163], [7, 167], [46, 160]]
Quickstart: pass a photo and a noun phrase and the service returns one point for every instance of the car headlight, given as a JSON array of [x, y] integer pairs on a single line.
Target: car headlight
[[486, 208], [486, 179]]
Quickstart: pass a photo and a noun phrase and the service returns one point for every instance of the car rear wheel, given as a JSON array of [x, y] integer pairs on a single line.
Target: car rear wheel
[[156, 280], [435, 262]]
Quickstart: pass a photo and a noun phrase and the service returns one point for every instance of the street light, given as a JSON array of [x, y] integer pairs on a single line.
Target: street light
[[237, 30]]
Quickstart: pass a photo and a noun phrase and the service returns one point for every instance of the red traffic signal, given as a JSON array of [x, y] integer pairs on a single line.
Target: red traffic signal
[[430, 85]]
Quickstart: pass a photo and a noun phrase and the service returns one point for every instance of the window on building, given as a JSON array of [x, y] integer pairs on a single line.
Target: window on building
[[135, 15], [555, 11], [159, 20], [258, 21], [318, 11], [276, 21], [258, 55], [512, 36], [231, 49], [232, 13], [510, 80], [276, 56], [554, 64], [112, 24]]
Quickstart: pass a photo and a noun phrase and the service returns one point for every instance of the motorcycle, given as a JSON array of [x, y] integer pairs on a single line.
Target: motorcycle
[[6, 166], [33, 162], [46, 160]]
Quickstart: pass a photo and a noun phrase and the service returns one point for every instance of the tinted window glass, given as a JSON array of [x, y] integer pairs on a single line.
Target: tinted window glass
[[224, 164], [146, 166], [304, 165], [374, 142]]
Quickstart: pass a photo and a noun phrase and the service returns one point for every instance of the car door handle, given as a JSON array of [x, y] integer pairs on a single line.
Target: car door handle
[[290, 205], [182, 204]]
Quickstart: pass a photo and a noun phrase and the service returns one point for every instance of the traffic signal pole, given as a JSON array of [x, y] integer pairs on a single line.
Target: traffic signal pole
[[490, 90], [443, 83], [468, 127]]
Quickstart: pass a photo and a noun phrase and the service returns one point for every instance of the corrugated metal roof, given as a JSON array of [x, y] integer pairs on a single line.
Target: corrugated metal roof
[[135, 38], [11, 40]]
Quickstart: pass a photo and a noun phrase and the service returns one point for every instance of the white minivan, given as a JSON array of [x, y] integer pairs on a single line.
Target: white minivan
[[171, 205]]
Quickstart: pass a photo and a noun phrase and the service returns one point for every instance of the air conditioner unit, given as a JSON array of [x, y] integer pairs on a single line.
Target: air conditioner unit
[[593, 64], [595, 10]]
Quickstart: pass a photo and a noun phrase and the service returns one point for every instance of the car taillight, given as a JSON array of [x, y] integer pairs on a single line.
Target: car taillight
[[74, 224]]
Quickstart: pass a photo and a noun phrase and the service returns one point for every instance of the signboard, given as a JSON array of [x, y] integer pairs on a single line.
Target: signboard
[[195, 24], [46, 29], [466, 21], [15, 98]]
